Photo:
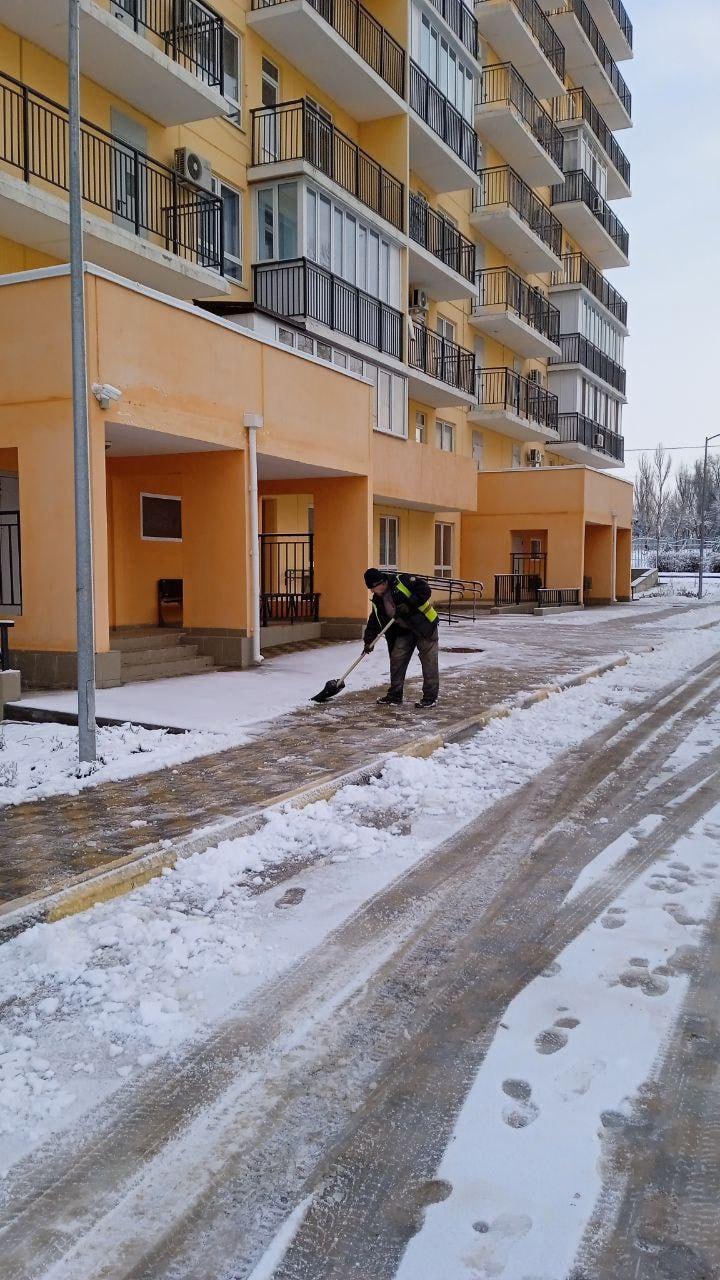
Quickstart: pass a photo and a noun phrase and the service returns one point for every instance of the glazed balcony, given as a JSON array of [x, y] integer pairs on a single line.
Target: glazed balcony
[[341, 47], [293, 137], [589, 62], [588, 218], [442, 259], [578, 272], [520, 33], [141, 219], [582, 440], [443, 145], [163, 58], [514, 406], [507, 211], [442, 373], [577, 351], [301, 290], [576, 108], [516, 314], [461, 21], [511, 118]]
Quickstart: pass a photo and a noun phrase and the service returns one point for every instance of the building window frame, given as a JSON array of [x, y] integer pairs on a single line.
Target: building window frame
[[159, 497], [233, 40], [420, 427], [389, 541], [444, 548], [444, 435], [232, 262]]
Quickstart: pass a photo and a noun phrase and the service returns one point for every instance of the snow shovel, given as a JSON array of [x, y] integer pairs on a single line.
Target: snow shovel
[[334, 686]]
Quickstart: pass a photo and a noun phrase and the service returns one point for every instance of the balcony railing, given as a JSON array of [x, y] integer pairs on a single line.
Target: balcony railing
[[442, 359], [300, 289], [608, 63], [578, 270], [505, 390], [363, 33], [461, 19], [429, 229], [138, 192], [297, 131], [499, 286], [623, 20], [442, 117], [502, 185], [190, 33], [576, 349], [576, 105], [575, 428], [534, 18], [503, 84], [578, 187]]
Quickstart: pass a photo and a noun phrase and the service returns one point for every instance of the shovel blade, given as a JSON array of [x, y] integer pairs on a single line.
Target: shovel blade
[[331, 688]]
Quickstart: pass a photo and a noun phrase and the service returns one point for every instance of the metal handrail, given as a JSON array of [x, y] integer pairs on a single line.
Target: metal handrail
[[537, 21], [503, 388], [441, 237], [10, 560], [502, 83], [604, 56], [576, 428], [577, 104], [575, 348], [441, 358], [577, 186], [192, 34], [578, 270], [500, 286], [442, 117], [502, 185], [363, 33], [461, 19]]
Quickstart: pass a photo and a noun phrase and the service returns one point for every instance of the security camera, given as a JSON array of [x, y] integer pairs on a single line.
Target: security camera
[[104, 393]]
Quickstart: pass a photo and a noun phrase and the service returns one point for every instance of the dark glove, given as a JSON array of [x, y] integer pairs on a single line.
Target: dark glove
[[403, 609], [367, 647]]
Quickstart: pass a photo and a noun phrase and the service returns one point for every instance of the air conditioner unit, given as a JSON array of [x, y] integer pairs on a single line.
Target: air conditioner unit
[[193, 168], [534, 458], [598, 204], [599, 441], [419, 302]]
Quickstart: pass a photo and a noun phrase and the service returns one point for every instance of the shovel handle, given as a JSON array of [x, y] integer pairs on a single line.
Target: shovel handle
[[379, 636]]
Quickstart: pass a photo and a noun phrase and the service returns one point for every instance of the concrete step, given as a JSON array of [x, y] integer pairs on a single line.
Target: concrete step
[[153, 638], [138, 657], [165, 670]]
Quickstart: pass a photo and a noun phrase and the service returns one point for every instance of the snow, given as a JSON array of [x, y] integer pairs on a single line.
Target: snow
[[102, 995], [612, 854]]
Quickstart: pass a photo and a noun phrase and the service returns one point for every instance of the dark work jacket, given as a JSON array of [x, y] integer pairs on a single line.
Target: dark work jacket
[[411, 596]]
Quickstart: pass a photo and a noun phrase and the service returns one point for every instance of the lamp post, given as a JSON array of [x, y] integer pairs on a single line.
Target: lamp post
[[702, 514]]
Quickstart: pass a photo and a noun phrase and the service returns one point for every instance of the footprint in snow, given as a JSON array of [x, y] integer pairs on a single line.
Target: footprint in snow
[[612, 922], [568, 1023], [551, 1041], [551, 970]]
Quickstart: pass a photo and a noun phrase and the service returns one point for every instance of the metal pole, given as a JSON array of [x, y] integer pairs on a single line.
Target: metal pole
[[253, 422], [87, 744], [702, 519]]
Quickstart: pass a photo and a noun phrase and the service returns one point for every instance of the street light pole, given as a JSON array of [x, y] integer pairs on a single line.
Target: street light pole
[[702, 514], [87, 745]]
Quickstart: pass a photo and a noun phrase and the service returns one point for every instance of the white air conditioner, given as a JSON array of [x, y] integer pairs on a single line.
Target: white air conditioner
[[419, 302], [598, 204], [599, 441], [193, 168], [534, 457]]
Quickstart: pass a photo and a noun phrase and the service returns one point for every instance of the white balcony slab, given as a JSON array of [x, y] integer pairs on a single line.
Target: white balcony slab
[[434, 161], [503, 227], [503, 27], [298, 31], [585, 68], [507, 423], [504, 325], [38, 218], [582, 291], [500, 124], [426, 271], [607, 24], [589, 234], [576, 452], [433, 392], [126, 63]]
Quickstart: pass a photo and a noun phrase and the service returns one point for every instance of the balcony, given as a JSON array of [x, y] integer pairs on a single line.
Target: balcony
[[582, 440], [341, 47], [141, 220], [169, 67], [441, 372], [590, 221], [301, 290], [589, 61], [575, 109], [443, 146], [461, 21], [516, 314], [292, 135], [614, 26], [514, 406], [576, 350], [442, 260], [578, 272], [510, 117], [511, 216], [520, 33]]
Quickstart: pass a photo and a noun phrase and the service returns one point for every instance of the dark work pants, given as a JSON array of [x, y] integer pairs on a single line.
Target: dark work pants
[[403, 647]]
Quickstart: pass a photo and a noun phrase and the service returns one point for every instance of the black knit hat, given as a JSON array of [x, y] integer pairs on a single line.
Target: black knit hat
[[373, 577]]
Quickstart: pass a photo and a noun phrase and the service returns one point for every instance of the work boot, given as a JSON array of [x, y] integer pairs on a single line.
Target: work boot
[[390, 700], [425, 703]]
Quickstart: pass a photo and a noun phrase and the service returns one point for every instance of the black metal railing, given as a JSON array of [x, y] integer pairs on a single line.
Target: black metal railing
[[287, 578], [190, 33], [455, 599], [461, 19], [529, 565], [576, 105], [502, 185], [440, 237], [504, 390], [534, 18], [578, 270], [603, 54], [499, 286], [297, 131], [441, 358], [576, 349], [575, 428], [503, 84], [10, 562], [622, 20], [140, 193], [363, 33], [442, 117], [516, 588], [558, 597], [577, 186], [300, 289]]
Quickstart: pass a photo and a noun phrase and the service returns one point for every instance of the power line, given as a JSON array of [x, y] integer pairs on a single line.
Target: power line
[[669, 448]]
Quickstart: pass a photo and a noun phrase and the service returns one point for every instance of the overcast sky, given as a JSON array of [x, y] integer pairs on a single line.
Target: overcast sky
[[673, 282]]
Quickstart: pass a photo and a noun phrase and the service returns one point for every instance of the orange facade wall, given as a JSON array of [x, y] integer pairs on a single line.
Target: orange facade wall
[[422, 475]]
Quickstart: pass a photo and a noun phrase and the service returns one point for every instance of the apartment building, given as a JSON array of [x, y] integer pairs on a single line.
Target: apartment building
[[376, 234]]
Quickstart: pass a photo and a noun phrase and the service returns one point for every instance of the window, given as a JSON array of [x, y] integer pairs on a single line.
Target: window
[[324, 351], [270, 91], [443, 67], [516, 455], [478, 449], [420, 426], [287, 220], [277, 222], [350, 249], [266, 224], [389, 538], [390, 413], [443, 550], [232, 75], [160, 518], [445, 328], [232, 228], [305, 344], [286, 335], [445, 436]]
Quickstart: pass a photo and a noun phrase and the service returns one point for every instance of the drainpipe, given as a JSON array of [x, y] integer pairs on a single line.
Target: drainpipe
[[613, 561], [253, 423]]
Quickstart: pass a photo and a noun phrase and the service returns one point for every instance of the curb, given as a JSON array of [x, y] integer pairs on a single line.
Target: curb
[[135, 869]]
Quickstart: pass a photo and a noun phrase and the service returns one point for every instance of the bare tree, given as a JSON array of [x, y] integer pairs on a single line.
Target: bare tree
[[661, 468], [644, 495], [682, 504]]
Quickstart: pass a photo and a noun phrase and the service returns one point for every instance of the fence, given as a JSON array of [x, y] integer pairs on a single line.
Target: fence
[[443, 240], [287, 578], [501, 185], [10, 565], [302, 290], [188, 33], [516, 588], [441, 358], [363, 33], [553, 597], [442, 117]]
